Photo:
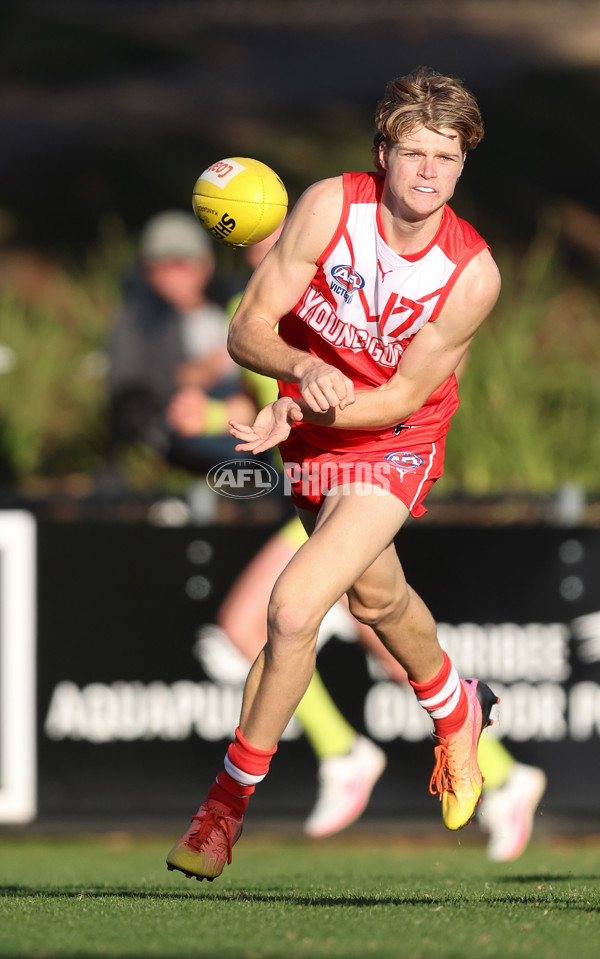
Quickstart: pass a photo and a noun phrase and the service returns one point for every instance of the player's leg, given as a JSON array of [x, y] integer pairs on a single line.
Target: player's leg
[[511, 794], [382, 599], [349, 764], [511, 791], [351, 531], [320, 572], [243, 612]]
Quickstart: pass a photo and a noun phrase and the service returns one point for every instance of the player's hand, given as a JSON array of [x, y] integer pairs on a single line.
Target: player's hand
[[323, 387], [271, 427]]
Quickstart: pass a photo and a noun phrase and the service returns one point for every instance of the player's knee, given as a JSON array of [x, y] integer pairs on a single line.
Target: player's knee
[[374, 609], [291, 622], [369, 614]]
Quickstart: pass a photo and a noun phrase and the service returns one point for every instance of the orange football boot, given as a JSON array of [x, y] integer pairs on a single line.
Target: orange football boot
[[206, 847], [456, 776]]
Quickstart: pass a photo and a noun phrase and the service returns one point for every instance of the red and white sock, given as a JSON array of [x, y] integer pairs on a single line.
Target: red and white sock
[[444, 698], [245, 766]]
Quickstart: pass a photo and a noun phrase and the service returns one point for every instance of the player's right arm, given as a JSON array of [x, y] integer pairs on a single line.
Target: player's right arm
[[274, 289]]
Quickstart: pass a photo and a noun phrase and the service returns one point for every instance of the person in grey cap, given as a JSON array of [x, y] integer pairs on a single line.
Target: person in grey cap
[[168, 341]]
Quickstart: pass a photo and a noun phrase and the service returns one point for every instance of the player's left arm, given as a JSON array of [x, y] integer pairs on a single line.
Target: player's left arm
[[433, 354]]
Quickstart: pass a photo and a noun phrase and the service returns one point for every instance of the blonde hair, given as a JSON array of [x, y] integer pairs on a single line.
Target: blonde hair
[[429, 99]]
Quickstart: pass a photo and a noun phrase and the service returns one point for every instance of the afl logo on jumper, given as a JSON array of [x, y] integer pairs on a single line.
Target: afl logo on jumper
[[346, 281], [404, 461], [348, 278]]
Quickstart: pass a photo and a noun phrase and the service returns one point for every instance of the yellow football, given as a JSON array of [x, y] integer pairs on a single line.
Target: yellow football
[[240, 201]]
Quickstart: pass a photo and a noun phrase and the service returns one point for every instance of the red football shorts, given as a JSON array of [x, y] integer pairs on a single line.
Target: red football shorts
[[408, 471]]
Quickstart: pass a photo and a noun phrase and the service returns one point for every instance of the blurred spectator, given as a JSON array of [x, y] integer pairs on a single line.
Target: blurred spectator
[[186, 410], [169, 343]]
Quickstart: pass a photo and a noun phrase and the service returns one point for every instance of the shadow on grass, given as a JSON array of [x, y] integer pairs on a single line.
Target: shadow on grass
[[546, 878], [490, 898]]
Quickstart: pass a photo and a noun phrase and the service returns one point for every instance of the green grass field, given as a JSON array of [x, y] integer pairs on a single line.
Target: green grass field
[[352, 896]]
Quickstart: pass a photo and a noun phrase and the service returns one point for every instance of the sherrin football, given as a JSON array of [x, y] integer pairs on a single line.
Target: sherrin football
[[239, 201]]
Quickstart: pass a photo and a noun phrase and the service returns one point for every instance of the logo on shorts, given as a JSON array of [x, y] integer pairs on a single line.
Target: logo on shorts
[[242, 479], [403, 460]]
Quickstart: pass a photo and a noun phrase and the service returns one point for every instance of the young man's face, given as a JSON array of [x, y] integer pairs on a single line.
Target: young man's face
[[421, 171]]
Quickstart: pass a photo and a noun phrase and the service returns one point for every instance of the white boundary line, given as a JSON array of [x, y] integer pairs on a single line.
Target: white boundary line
[[18, 779]]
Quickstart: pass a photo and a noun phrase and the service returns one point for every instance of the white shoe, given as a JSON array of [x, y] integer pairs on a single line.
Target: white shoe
[[507, 813], [220, 659], [345, 786]]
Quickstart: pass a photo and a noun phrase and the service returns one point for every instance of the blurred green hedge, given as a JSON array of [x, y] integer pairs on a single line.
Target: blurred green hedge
[[54, 325], [530, 394]]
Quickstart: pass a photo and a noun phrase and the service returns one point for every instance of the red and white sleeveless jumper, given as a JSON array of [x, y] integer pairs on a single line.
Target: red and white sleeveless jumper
[[364, 306]]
